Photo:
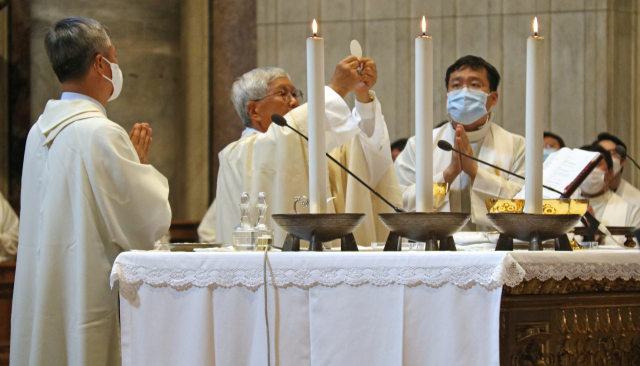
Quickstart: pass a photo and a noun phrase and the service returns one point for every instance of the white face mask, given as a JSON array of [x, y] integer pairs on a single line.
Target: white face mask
[[594, 182], [116, 79], [466, 106], [617, 168]]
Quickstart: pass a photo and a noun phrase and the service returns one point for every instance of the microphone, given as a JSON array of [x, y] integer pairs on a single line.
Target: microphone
[[588, 219], [282, 122], [623, 152], [444, 145]]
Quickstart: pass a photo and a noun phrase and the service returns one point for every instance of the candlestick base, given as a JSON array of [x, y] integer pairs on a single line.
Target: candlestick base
[[435, 229], [533, 228], [319, 228]]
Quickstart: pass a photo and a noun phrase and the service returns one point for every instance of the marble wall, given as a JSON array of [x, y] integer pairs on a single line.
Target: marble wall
[[147, 36], [591, 48]]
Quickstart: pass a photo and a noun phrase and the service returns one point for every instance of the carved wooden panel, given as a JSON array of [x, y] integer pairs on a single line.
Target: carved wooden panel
[[571, 323]]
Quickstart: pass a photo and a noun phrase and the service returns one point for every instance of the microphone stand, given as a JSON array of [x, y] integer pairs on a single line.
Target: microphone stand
[[588, 219], [396, 209], [495, 166]]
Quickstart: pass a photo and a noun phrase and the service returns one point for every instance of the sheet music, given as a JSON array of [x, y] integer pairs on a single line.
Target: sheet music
[[561, 169]]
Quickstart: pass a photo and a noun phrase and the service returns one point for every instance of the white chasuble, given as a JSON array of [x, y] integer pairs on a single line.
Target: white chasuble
[[611, 210], [9, 225], [629, 193], [85, 198], [276, 162], [494, 145]]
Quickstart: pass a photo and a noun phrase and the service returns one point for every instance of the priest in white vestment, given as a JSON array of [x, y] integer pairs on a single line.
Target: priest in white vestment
[[609, 208], [618, 184], [9, 225], [87, 195], [272, 159], [472, 85], [207, 227]]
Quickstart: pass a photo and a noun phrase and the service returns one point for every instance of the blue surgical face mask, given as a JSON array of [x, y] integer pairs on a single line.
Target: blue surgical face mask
[[466, 106], [547, 152]]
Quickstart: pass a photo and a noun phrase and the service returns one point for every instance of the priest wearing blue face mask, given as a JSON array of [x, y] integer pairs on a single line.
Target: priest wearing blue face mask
[[472, 90]]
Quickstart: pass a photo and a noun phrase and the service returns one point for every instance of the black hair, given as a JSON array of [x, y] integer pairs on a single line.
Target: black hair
[[399, 144], [475, 63], [607, 136], [597, 148], [556, 137]]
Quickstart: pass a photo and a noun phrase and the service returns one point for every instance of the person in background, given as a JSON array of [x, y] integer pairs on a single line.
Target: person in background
[[619, 185], [9, 227], [609, 208], [397, 147], [207, 227], [552, 143]]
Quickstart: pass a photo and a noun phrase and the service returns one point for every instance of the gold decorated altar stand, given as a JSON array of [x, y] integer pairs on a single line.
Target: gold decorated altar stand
[[591, 321]]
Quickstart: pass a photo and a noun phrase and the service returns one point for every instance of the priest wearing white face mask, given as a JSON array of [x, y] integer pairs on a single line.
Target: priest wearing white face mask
[[609, 208], [87, 195], [272, 159], [472, 85], [618, 184]]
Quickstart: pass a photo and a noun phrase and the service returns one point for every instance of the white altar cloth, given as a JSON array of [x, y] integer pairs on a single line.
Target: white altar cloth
[[366, 308]]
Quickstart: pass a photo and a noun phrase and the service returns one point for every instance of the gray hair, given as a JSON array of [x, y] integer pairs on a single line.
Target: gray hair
[[253, 85], [72, 45]]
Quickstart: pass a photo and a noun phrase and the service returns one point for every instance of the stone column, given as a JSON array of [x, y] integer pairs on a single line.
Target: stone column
[[4, 98], [234, 52]]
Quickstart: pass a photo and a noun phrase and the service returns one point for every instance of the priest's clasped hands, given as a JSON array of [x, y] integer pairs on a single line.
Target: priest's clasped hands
[[347, 78], [460, 163], [141, 139]]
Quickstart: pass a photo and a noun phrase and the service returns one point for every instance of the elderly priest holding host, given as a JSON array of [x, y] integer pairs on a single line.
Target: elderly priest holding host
[[472, 89], [273, 159], [87, 195]]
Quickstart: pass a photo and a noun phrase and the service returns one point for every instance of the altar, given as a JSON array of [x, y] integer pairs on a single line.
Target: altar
[[375, 308]]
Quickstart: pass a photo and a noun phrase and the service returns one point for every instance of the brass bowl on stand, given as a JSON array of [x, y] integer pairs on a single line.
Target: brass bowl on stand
[[428, 227], [534, 228], [558, 217], [319, 228], [433, 228]]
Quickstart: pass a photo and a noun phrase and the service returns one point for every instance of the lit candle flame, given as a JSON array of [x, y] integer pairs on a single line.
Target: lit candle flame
[[315, 28], [535, 26], [424, 25]]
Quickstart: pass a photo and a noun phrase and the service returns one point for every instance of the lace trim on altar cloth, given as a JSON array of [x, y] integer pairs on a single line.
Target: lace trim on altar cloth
[[583, 271], [488, 276], [509, 272]]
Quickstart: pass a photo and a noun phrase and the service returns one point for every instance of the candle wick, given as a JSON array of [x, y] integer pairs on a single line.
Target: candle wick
[[424, 33], [535, 34]]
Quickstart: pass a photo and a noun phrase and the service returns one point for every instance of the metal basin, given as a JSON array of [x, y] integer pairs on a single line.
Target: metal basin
[[523, 226], [326, 227], [423, 226]]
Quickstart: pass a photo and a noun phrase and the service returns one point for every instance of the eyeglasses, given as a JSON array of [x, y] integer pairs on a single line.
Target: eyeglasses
[[286, 95]]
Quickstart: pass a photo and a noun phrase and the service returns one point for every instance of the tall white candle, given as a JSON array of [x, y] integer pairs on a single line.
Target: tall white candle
[[317, 147], [534, 121], [424, 121]]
